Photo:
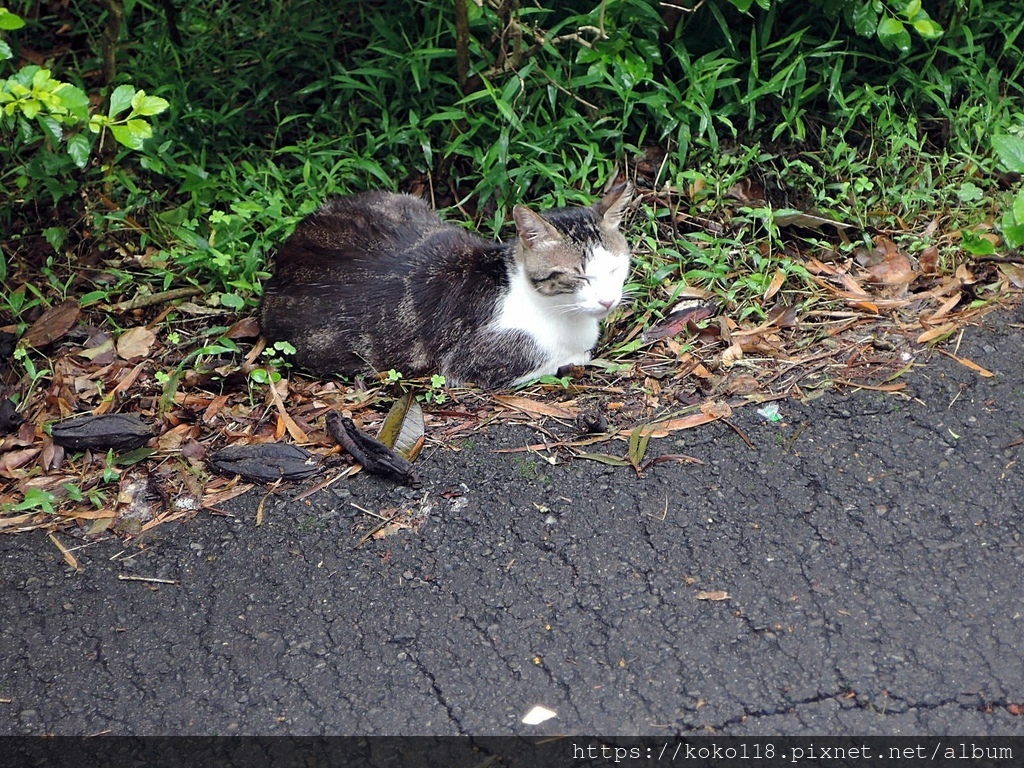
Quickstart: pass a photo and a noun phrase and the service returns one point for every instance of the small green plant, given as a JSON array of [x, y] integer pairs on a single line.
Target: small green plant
[[36, 499], [526, 468], [125, 117], [111, 473], [562, 381], [436, 393], [1010, 150], [275, 356], [35, 375], [95, 496]]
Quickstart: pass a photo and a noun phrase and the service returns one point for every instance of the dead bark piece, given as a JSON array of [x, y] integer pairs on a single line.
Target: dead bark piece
[[117, 431], [265, 462], [375, 457]]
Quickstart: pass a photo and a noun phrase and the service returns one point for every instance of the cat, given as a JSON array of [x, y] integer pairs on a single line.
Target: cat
[[377, 281]]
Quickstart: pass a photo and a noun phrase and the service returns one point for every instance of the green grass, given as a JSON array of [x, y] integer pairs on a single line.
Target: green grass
[[275, 106]]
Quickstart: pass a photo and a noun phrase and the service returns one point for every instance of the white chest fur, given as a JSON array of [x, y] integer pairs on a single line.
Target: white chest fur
[[563, 334]]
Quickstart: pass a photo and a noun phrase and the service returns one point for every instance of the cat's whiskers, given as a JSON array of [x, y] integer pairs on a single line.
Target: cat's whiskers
[[570, 309]]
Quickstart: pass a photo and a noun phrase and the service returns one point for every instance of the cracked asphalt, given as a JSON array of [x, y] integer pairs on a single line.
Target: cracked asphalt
[[870, 547]]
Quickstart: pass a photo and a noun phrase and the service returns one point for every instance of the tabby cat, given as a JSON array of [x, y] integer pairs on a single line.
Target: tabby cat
[[377, 281]]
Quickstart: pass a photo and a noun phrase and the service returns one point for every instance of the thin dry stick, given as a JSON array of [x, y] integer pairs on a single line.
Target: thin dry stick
[[151, 579], [139, 302], [682, 8]]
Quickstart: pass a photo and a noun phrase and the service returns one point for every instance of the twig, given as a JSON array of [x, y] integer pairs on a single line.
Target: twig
[[154, 298], [739, 432], [151, 579], [325, 484], [1001, 259], [682, 8]]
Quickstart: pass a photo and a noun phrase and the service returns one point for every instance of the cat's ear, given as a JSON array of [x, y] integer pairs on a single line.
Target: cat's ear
[[612, 207], [534, 230]]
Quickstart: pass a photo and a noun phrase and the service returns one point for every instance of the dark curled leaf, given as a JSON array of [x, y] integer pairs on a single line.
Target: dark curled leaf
[[10, 420], [375, 457], [265, 462], [119, 431], [678, 321]]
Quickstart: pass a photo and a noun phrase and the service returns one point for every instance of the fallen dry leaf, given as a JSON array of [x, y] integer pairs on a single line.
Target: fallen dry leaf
[[936, 333], [246, 328], [888, 265], [538, 408], [774, 285], [135, 342], [747, 192], [1013, 273], [809, 220], [679, 320], [929, 260], [605, 458], [53, 324], [716, 408], [14, 460], [665, 428], [99, 351], [403, 428], [968, 364], [733, 354]]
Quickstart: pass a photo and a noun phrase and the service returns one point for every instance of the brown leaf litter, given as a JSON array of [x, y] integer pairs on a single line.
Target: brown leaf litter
[[167, 417]]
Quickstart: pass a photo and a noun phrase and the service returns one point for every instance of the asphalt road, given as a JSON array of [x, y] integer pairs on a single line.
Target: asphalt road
[[870, 547]]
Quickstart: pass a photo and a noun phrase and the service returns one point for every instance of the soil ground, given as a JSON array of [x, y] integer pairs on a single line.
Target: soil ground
[[858, 571]]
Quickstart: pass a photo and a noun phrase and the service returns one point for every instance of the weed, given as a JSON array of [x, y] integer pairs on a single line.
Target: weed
[[526, 468]]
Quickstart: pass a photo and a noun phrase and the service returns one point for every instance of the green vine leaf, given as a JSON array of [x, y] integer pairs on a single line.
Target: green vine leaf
[[146, 106], [124, 136], [79, 148], [120, 100]]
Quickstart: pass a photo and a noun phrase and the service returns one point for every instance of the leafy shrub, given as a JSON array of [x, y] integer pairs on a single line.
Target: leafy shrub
[[41, 114]]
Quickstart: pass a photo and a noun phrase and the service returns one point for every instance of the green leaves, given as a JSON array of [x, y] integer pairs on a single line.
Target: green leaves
[[1010, 150], [33, 92], [44, 107], [893, 34], [130, 130], [147, 106], [10, 21], [892, 21], [79, 148], [120, 100]]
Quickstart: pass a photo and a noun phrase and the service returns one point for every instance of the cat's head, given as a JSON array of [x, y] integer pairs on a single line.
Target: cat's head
[[577, 253]]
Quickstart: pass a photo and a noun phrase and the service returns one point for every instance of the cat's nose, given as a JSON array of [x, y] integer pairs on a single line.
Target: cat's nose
[[606, 303]]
